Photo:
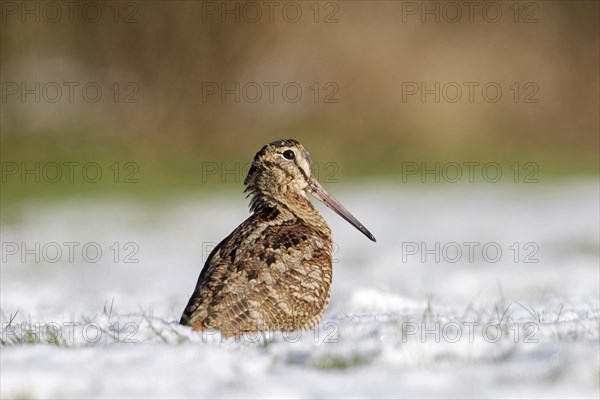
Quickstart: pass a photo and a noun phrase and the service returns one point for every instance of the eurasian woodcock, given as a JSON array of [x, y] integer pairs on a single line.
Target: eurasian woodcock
[[273, 272]]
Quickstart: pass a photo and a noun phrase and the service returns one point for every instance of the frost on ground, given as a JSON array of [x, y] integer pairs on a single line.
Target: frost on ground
[[470, 291]]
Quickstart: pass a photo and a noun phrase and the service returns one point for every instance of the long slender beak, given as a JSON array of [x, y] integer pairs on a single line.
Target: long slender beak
[[320, 193]]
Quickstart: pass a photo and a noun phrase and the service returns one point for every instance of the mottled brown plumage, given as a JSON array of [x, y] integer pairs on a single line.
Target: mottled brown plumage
[[273, 272]]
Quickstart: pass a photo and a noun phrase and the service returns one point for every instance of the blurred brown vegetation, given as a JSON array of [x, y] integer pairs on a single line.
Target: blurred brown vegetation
[[172, 48]]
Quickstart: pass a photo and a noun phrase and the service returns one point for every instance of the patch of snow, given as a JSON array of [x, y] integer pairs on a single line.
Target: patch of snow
[[399, 324]]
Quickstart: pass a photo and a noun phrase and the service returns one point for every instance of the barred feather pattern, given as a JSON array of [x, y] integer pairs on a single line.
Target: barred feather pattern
[[269, 274], [274, 271]]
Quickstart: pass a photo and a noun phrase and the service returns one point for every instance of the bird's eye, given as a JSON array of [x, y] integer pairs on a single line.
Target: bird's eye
[[289, 154]]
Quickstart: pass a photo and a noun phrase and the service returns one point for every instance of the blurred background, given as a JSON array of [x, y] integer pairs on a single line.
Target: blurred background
[[175, 93]]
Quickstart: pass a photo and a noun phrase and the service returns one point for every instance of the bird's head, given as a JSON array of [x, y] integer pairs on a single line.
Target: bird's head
[[281, 172]]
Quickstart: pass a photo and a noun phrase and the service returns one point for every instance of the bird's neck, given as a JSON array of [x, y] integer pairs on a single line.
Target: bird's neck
[[292, 206]]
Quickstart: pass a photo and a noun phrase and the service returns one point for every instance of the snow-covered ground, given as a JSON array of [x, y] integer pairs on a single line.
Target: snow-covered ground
[[470, 291]]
